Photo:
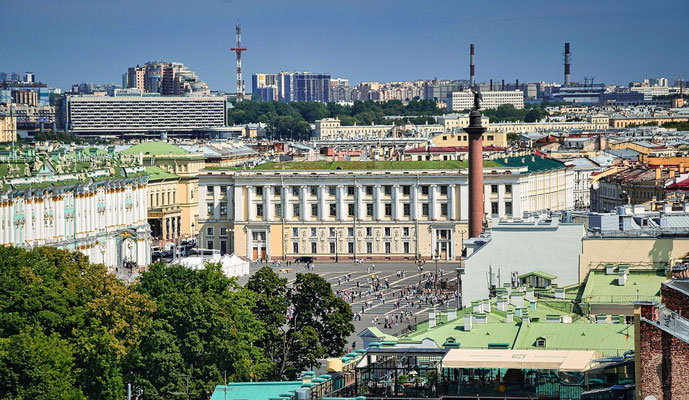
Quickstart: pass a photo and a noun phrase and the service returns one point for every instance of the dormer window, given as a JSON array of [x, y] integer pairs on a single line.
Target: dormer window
[[540, 342]]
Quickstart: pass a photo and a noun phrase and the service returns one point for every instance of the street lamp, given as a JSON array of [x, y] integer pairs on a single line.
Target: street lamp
[[419, 264], [436, 258], [460, 272], [337, 241]]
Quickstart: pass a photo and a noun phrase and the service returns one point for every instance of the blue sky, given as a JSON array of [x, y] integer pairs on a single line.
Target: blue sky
[[71, 41]]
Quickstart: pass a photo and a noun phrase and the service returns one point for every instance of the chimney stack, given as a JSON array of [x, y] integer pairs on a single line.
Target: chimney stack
[[503, 85], [491, 85], [471, 65], [516, 85], [567, 63]]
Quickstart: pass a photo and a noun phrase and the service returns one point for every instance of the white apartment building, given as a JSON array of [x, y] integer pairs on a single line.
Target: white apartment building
[[464, 100], [104, 219], [386, 211], [330, 128], [141, 114]]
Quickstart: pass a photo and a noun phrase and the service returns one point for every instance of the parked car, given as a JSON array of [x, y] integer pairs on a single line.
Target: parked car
[[304, 259]]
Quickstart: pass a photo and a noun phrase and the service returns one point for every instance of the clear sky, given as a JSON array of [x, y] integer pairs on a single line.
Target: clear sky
[[70, 41]]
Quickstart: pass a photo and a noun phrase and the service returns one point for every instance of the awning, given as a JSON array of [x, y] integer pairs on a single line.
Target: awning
[[563, 360]]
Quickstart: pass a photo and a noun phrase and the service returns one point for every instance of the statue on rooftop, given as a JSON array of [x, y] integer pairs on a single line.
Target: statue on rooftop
[[477, 99], [141, 158]]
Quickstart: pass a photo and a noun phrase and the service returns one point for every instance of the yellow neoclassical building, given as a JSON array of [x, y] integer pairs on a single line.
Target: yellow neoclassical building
[[173, 188]]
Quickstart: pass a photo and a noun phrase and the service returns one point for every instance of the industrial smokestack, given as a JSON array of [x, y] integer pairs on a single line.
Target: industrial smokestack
[[567, 63], [503, 85], [471, 65], [516, 85], [491, 85]]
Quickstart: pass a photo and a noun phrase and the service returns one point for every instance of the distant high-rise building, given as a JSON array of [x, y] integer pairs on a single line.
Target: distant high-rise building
[[166, 78], [285, 86], [264, 87], [309, 86], [29, 77]]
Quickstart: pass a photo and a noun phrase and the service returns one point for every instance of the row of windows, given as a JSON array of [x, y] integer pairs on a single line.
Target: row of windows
[[351, 190], [387, 209], [387, 247]]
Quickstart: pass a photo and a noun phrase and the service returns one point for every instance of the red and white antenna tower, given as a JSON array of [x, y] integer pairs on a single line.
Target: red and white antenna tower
[[238, 50]]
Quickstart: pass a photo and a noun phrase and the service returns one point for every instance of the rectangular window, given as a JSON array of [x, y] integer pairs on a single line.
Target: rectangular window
[[295, 232], [388, 209], [369, 232], [369, 190], [405, 231], [259, 210], [369, 247], [406, 208], [297, 210], [350, 210], [223, 209], [494, 208], [443, 209], [314, 210], [350, 232], [406, 189], [332, 190], [278, 210], [209, 244], [295, 247], [333, 210], [223, 247], [350, 190], [387, 232], [295, 191], [489, 137], [313, 232], [508, 188], [259, 190], [211, 210], [387, 189], [388, 247], [508, 207], [314, 247], [331, 232], [369, 209], [223, 190], [443, 189], [424, 190], [350, 247], [493, 188], [405, 247], [314, 190], [209, 231], [424, 209], [332, 247], [223, 231], [209, 189]]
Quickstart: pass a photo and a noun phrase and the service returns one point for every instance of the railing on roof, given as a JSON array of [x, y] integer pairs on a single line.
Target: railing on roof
[[645, 232], [637, 265]]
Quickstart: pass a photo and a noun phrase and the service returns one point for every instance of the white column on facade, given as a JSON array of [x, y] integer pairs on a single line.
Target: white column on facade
[[396, 202], [302, 199], [268, 211], [341, 212], [359, 202], [463, 202], [486, 201], [516, 200], [286, 204], [321, 203], [216, 203], [377, 203], [238, 203], [501, 201], [230, 208], [250, 194], [434, 203], [451, 200], [415, 202]]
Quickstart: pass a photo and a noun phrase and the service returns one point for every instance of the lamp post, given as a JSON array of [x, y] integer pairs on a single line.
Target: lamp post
[[419, 264], [460, 272], [337, 240], [436, 258]]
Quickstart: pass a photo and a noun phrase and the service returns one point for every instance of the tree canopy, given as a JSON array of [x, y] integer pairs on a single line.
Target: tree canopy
[[71, 330]]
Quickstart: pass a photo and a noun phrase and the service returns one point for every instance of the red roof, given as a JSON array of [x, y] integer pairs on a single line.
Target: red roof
[[451, 149], [681, 185]]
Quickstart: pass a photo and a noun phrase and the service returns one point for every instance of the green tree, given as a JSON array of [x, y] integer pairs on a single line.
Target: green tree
[[318, 326]]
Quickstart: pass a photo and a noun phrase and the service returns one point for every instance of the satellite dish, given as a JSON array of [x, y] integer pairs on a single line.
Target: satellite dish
[[650, 397]]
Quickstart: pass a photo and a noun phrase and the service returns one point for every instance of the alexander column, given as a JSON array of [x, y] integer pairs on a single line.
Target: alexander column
[[475, 131]]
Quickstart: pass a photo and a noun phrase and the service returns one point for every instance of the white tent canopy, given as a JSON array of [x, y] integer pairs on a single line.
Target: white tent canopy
[[232, 265], [563, 360]]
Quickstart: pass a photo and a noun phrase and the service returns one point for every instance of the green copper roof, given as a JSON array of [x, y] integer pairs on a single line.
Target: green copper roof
[[534, 164], [608, 339], [158, 174], [253, 390], [155, 149], [539, 274], [640, 285]]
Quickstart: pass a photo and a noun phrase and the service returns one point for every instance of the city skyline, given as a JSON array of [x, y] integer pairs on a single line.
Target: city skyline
[[400, 43]]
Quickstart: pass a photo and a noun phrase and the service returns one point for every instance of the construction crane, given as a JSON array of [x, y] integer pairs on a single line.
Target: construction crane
[[238, 50]]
